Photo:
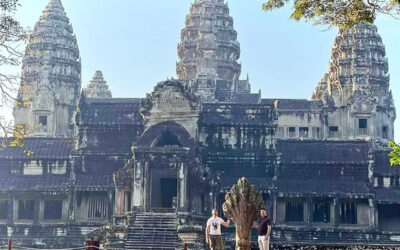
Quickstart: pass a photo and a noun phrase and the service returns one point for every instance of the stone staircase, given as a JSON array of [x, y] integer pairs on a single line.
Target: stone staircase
[[153, 230]]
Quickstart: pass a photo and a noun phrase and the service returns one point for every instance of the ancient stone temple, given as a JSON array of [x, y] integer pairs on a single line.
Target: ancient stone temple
[[144, 173]]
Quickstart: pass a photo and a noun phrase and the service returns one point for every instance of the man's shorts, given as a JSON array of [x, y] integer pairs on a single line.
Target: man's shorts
[[216, 242]]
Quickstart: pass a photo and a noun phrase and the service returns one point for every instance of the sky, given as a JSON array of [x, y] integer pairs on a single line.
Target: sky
[[134, 43]]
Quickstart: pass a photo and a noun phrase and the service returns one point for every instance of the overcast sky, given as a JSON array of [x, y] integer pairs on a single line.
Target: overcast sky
[[134, 43]]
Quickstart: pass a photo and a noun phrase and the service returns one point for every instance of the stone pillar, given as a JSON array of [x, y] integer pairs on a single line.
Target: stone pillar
[[71, 204], [336, 214], [182, 187], [146, 187], [11, 200], [138, 186], [309, 204], [119, 205], [110, 204], [36, 209], [371, 164], [371, 208], [274, 198], [325, 127]]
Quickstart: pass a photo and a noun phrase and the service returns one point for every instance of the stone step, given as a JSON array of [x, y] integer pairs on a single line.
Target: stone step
[[153, 231], [163, 210]]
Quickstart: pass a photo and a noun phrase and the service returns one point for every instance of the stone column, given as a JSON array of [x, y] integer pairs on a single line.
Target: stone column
[[325, 128], [182, 187], [146, 187], [371, 208], [110, 204], [336, 214], [119, 206], [309, 217], [138, 186], [371, 164], [36, 209], [274, 198], [11, 200], [71, 204]]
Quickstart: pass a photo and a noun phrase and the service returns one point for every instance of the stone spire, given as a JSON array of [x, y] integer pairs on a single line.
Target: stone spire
[[209, 46], [358, 62], [98, 88], [358, 81], [51, 75]]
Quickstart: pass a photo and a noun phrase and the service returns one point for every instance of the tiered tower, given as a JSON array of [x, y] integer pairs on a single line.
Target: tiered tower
[[209, 47], [51, 76], [98, 88], [358, 83]]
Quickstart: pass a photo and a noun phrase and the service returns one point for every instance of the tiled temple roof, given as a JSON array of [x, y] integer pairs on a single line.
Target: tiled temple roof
[[94, 181], [387, 196], [42, 148], [294, 104], [382, 164], [113, 111], [246, 98], [323, 152], [33, 183], [237, 114], [326, 188]]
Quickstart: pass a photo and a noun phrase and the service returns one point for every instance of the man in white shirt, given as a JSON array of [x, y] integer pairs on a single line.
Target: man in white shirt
[[213, 231]]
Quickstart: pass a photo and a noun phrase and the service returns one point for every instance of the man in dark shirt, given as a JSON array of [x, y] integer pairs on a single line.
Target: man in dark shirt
[[264, 231]]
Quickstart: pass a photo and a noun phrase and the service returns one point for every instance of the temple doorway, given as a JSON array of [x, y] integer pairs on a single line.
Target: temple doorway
[[164, 188], [168, 192]]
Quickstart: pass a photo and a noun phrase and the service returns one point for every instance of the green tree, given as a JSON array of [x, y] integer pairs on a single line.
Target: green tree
[[394, 154], [341, 13]]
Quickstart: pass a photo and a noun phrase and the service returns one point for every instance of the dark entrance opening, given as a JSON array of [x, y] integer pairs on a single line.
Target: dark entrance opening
[[168, 139], [389, 217], [168, 191]]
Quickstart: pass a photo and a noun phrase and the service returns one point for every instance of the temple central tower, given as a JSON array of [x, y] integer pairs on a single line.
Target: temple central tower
[[209, 48]]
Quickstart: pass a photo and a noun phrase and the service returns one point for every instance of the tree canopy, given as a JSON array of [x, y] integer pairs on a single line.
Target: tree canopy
[[341, 13]]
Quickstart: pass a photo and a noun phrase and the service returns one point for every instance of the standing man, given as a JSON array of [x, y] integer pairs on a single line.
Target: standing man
[[264, 231], [213, 231]]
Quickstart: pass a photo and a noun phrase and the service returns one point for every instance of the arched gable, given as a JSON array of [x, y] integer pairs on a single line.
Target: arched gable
[[164, 134]]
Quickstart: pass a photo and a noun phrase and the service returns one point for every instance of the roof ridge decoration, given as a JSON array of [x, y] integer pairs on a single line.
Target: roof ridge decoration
[[147, 103], [170, 101]]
